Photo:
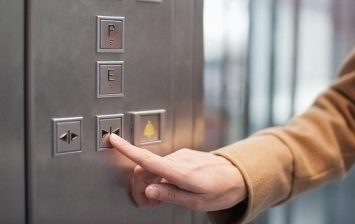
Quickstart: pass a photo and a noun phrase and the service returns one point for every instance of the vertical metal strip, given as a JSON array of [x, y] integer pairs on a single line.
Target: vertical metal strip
[[224, 110], [197, 85], [294, 79], [295, 54], [247, 90], [29, 115], [332, 191], [272, 69]]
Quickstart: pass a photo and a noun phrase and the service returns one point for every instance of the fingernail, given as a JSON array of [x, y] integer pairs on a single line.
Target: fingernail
[[152, 192], [114, 137]]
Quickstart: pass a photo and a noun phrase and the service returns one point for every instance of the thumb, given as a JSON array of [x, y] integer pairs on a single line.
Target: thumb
[[170, 193]]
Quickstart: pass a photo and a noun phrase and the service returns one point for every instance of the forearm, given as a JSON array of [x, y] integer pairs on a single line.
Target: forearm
[[312, 149]]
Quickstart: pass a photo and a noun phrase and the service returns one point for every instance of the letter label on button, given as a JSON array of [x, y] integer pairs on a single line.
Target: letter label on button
[[111, 28], [110, 75]]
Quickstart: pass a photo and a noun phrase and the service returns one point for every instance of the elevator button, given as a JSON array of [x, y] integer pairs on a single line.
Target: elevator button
[[106, 125], [110, 34], [67, 135], [109, 79], [148, 127]]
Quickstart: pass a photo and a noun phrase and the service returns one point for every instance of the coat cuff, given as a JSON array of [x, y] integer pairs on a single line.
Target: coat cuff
[[265, 163]]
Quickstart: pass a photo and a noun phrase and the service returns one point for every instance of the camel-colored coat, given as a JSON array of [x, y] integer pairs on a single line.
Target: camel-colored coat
[[312, 149]]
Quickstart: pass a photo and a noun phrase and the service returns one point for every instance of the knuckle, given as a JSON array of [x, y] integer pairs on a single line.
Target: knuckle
[[137, 170]]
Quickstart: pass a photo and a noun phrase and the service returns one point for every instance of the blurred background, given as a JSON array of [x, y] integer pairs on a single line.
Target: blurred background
[[266, 61]]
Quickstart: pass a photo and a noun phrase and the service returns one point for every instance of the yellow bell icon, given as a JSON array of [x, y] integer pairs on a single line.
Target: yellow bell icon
[[149, 129]]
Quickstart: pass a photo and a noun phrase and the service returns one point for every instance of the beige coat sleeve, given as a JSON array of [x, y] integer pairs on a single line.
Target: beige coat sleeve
[[314, 148]]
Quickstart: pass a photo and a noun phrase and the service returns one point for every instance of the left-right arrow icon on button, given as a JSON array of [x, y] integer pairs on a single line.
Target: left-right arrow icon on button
[[68, 137]]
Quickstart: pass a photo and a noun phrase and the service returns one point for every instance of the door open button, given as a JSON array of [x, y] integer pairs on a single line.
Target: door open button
[[106, 125], [67, 133]]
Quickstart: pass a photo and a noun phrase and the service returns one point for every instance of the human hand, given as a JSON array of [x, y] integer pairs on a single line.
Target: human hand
[[197, 180]]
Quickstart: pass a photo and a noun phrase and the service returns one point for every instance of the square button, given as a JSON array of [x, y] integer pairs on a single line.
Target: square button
[[107, 124], [110, 34], [67, 135], [148, 127], [110, 78]]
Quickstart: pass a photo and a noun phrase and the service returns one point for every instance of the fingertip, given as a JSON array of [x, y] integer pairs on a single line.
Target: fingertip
[[117, 142], [152, 192], [114, 138]]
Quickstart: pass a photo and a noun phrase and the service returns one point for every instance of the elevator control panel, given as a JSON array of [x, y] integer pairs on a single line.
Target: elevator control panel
[[147, 127], [110, 34], [67, 135]]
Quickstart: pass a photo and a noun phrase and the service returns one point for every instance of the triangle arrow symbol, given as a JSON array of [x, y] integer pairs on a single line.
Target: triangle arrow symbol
[[73, 136], [117, 132], [103, 133], [64, 137]]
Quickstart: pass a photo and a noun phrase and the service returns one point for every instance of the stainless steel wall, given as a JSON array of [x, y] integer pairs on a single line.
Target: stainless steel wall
[[74, 181], [12, 128], [159, 73]]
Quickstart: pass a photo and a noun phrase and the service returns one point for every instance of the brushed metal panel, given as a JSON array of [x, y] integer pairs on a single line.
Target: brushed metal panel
[[93, 186], [12, 128]]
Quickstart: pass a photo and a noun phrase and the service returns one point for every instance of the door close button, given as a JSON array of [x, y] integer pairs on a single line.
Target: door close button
[[106, 125]]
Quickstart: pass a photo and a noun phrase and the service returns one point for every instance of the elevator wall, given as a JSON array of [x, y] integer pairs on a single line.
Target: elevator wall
[[95, 67]]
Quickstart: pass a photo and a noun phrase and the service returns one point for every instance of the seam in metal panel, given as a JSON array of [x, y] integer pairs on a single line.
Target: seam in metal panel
[[28, 110]]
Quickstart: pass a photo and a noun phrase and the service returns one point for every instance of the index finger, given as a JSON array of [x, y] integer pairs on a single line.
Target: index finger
[[146, 159]]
